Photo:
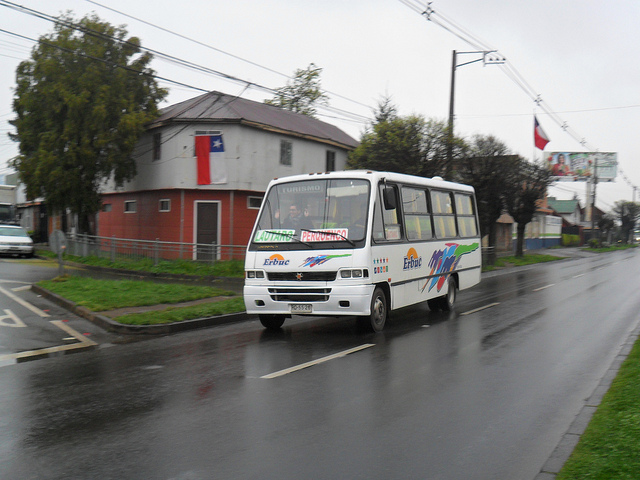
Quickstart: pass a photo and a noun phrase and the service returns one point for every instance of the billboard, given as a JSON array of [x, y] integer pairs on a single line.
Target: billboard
[[582, 166]]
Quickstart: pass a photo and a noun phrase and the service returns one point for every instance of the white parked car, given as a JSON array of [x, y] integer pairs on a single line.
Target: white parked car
[[15, 240]]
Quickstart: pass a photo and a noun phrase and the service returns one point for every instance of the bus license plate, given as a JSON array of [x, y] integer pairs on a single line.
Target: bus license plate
[[300, 307]]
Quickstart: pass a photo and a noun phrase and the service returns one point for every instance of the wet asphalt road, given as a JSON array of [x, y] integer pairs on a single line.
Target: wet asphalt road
[[474, 395]]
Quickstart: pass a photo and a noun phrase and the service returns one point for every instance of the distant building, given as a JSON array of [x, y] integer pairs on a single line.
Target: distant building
[[248, 143], [569, 210]]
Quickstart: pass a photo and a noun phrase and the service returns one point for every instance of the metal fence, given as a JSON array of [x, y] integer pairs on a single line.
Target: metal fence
[[115, 248]]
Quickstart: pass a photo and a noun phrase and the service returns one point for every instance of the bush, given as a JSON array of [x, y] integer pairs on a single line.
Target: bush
[[570, 240], [594, 243]]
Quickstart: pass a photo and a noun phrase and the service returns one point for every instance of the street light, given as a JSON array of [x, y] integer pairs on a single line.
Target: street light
[[488, 57]]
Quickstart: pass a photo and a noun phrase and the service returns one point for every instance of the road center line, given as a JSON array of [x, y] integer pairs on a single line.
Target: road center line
[[25, 304], [480, 309], [318, 361], [542, 288]]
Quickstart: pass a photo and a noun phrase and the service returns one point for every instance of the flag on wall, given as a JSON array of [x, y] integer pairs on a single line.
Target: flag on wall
[[539, 137], [210, 159]]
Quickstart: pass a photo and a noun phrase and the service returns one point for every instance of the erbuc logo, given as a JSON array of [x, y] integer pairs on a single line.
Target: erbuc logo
[[275, 259], [412, 260]]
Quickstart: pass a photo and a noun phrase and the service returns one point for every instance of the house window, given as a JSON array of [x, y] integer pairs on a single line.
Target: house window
[[165, 205], [331, 161], [285, 152], [253, 203], [157, 143], [130, 206], [106, 207]]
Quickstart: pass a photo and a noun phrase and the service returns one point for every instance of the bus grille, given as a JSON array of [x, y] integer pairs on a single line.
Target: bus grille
[[299, 294], [305, 276]]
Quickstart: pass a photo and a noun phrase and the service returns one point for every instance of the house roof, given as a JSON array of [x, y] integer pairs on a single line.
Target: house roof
[[217, 107], [563, 206]]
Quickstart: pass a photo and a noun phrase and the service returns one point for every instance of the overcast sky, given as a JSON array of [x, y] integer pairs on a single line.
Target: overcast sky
[[580, 57]]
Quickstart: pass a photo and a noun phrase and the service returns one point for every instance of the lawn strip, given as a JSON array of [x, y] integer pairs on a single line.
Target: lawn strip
[[179, 314], [610, 446]]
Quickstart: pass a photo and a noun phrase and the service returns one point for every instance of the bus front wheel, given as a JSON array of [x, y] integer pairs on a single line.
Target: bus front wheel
[[272, 322], [379, 312]]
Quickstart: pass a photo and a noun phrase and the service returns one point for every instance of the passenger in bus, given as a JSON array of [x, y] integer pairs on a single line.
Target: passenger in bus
[[297, 219]]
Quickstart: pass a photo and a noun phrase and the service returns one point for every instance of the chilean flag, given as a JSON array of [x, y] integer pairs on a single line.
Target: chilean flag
[[539, 137], [210, 159]]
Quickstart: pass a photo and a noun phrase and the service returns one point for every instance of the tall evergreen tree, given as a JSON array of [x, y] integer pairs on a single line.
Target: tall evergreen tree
[[81, 101]]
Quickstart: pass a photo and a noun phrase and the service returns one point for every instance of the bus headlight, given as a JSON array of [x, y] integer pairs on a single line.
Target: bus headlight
[[354, 273], [255, 274]]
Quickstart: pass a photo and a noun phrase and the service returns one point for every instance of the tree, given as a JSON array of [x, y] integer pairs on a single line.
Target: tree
[[628, 213], [403, 144], [489, 168], [303, 93], [81, 101], [606, 224], [522, 195]]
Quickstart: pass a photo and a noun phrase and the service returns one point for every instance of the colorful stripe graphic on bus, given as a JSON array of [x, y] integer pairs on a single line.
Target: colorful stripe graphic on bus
[[412, 260], [320, 259], [446, 261]]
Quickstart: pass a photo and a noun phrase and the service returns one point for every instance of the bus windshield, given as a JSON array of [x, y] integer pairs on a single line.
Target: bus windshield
[[313, 213]]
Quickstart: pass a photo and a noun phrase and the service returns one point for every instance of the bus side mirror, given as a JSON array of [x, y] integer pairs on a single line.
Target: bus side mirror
[[389, 197]]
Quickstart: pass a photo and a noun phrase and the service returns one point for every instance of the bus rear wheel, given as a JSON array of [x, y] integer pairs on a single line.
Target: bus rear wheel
[[272, 322], [446, 302], [379, 312]]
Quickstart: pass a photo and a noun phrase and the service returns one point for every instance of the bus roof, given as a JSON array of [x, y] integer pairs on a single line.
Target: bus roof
[[375, 177]]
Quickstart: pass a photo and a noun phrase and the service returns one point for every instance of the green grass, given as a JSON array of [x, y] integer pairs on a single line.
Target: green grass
[[513, 261], [611, 248], [172, 314], [101, 295], [610, 447], [221, 268]]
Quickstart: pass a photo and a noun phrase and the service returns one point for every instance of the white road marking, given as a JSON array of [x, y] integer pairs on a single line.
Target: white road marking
[[20, 289], [83, 342], [25, 304], [480, 309], [15, 321], [542, 288], [314, 362], [578, 276]]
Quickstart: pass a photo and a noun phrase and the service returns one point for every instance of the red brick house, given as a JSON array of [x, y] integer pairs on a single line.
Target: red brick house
[[255, 142]]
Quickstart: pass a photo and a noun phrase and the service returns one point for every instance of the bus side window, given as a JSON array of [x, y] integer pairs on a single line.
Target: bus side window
[[416, 214], [465, 216], [443, 216]]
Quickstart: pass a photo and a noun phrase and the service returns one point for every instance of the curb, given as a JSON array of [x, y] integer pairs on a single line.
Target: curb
[[114, 327]]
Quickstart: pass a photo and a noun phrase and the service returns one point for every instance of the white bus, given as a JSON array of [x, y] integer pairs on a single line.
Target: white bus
[[360, 243]]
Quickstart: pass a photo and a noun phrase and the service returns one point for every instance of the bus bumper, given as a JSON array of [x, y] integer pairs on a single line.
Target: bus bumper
[[344, 300]]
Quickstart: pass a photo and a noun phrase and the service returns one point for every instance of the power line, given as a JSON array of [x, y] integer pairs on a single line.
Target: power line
[[184, 37], [176, 60], [439, 19]]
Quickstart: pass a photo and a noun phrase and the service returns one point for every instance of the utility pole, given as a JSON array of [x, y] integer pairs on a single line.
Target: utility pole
[[489, 57], [593, 198]]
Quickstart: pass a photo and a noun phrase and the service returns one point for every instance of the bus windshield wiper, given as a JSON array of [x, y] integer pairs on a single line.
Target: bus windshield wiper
[[336, 234]]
